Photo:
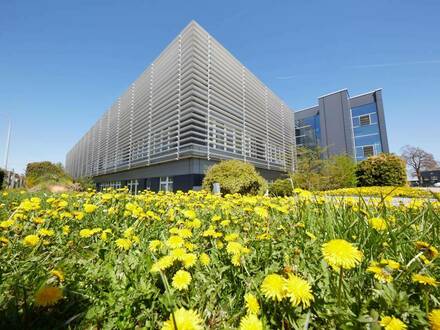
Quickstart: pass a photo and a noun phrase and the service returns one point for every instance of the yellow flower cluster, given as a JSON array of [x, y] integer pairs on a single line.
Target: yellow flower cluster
[[195, 260]]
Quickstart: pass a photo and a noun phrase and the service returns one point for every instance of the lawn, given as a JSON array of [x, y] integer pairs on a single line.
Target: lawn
[[195, 261]]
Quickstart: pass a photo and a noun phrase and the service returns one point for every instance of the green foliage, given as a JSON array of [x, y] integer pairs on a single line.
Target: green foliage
[[281, 187], [235, 176], [44, 173], [340, 172], [381, 170], [2, 177], [308, 173], [85, 183], [109, 287], [316, 173]]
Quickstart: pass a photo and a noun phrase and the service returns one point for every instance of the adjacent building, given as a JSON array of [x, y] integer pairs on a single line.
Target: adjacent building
[[192, 107], [341, 124]]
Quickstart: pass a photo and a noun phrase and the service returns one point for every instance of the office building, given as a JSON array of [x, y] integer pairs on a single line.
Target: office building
[[341, 124], [192, 107]]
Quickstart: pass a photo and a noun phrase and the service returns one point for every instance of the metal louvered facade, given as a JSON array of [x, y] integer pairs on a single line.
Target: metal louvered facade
[[194, 101]]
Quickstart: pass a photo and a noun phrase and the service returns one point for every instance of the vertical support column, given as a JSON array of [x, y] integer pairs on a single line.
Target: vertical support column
[[283, 118], [243, 103], [117, 133], [149, 114], [179, 78], [266, 107], [130, 140], [105, 161], [86, 150], [208, 123], [99, 147]]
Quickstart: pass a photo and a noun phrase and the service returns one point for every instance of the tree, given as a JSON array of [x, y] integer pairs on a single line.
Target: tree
[[309, 169], [45, 172], [235, 176], [313, 172], [381, 170], [2, 177], [418, 160], [339, 172], [281, 187]]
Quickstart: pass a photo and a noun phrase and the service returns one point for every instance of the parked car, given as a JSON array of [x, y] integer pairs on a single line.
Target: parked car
[[437, 184]]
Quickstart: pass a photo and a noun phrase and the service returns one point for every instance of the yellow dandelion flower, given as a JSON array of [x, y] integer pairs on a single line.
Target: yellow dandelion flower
[[48, 296], [123, 243], [392, 323], [252, 305], [424, 279], [175, 242], [58, 274], [183, 319], [178, 254], [251, 322], [190, 214], [340, 253], [189, 260], [6, 224], [104, 234], [204, 259], [154, 245], [299, 291], [181, 280], [31, 240], [46, 232], [231, 237], [390, 263], [66, 230], [273, 287], [378, 223], [236, 260], [434, 319], [430, 251], [162, 264], [90, 208], [234, 248], [261, 212], [85, 233], [184, 233]]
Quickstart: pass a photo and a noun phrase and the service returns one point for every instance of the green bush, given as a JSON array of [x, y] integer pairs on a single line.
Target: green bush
[[313, 172], [45, 172], [339, 172], [85, 183], [381, 170], [2, 177], [235, 176], [281, 187]]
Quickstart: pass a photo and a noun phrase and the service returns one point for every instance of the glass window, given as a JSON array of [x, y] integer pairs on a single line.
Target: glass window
[[367, 140], [133, 186], [166, 183], [363, 109], [355, 121], [368, 151], [364, 120], [366, 130]]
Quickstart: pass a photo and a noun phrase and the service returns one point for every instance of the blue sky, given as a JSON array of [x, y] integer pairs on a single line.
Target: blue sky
[[63, 63]]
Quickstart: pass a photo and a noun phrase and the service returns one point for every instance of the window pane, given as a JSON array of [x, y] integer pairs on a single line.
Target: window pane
[[356, 121], [363, 109], [368, 151], [364, 120]]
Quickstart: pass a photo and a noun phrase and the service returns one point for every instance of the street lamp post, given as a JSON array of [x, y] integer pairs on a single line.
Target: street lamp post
[[8, 140]]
